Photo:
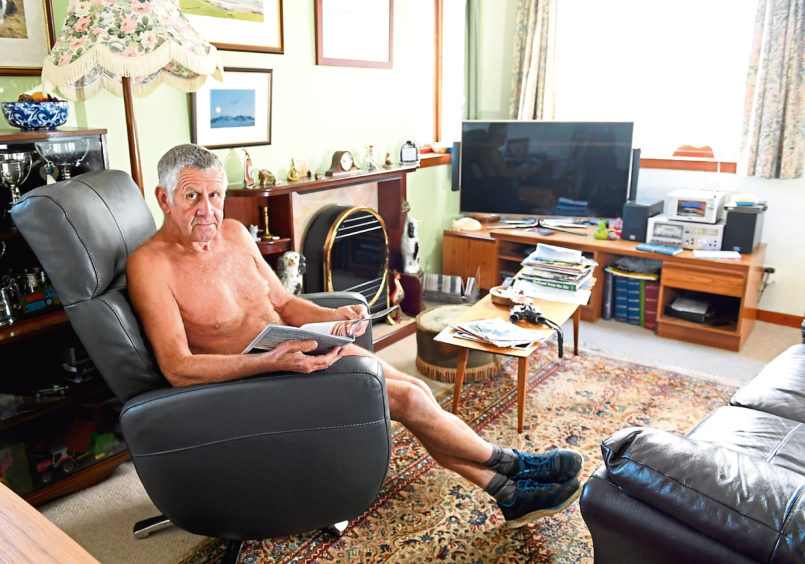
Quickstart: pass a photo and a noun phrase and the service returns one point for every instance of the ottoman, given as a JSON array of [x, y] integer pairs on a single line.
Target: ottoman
[[438, 360]]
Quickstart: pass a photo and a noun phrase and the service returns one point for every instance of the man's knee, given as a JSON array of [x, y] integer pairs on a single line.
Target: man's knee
[[409, 399]]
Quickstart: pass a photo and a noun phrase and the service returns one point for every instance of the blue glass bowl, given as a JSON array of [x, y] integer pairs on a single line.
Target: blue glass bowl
[[35, 116]]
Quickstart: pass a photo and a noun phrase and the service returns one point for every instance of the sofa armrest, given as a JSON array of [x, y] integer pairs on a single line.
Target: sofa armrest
[[300, 451], [740, 500], [338, 299]]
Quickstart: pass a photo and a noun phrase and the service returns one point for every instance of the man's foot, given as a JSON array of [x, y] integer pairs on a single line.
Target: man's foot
[[555, 466], [535, 500]]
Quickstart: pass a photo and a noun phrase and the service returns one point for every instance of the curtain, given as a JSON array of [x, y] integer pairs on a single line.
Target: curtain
[[773, 141], [533, 64]]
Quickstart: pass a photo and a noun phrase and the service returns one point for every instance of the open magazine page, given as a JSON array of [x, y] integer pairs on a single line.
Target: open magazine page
[[497, 332], [328, 334]]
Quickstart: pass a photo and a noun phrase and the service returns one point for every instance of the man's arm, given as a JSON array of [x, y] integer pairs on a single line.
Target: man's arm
[[153, 300]]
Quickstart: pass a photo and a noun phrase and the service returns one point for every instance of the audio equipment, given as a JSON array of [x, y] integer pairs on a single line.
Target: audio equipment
[[744, 228], [455, 172], [635, 173], [635, 219], [689, 235]]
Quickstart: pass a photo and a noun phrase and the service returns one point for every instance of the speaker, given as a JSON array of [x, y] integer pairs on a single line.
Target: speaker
[[744, 228], [456, 170], [635, 219], [635, 174]]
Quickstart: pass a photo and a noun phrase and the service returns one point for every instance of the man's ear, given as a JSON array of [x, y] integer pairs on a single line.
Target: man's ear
[[163, 200]]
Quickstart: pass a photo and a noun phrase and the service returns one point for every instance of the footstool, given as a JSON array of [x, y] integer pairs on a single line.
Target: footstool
[[439, 360]]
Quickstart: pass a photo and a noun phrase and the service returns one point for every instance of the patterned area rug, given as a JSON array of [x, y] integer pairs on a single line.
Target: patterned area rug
[[426, 514]]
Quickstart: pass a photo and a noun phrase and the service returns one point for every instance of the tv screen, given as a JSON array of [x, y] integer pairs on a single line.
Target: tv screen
[[578, 169]]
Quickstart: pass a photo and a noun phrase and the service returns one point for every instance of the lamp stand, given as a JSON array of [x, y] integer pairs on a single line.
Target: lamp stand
[[131, 129]]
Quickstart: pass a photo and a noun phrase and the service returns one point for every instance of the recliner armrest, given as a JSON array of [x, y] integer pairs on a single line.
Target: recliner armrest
[[317, 444], [740, 500]]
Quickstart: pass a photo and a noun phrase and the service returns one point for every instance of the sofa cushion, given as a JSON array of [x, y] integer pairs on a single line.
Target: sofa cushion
[[779, 387], [778, 441], [740, 500]]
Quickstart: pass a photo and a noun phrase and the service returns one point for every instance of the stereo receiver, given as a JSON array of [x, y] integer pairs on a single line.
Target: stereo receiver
[[685, 234], [701, 206]]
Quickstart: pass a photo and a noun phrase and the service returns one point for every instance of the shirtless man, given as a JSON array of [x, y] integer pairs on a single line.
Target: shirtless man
[[203, 292]]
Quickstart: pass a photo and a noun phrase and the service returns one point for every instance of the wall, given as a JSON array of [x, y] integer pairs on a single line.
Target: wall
[[784, 229], [316, 111]]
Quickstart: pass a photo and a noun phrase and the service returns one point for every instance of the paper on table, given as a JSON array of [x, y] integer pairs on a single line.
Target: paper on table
[[729, 255], [531, 290]]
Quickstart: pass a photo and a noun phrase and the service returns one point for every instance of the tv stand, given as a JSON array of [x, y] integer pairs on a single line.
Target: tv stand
[[498, 253]]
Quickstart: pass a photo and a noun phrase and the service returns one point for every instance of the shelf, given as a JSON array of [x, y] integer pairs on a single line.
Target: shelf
[[18, 135], [78, 480], [27, 327], [274, 247], [326, 183]]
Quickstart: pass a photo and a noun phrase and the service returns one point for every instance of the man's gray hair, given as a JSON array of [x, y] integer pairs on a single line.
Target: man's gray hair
[[179, 157]]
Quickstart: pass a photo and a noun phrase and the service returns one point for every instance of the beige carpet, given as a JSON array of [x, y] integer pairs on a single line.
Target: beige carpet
[[100, 518]]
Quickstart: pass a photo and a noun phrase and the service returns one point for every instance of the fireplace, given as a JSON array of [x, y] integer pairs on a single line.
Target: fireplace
[[347, 249]]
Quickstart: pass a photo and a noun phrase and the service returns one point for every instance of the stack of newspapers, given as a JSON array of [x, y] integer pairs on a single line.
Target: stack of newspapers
[[556, 273], [497, 332]]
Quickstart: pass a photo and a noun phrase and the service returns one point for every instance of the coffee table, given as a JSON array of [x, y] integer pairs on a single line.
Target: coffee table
[[557, 312]]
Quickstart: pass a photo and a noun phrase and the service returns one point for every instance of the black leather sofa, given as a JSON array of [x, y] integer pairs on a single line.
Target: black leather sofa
[[731, 490]]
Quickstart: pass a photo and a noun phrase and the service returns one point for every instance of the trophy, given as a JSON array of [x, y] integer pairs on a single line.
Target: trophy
[[63, 154], [14, 170]]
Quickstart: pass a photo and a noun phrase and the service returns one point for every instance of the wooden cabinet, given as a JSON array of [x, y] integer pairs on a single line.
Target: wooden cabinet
[[57, 423], [734, 284]]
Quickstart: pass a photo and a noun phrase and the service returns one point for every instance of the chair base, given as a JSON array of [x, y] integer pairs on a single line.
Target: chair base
[[147, 527]]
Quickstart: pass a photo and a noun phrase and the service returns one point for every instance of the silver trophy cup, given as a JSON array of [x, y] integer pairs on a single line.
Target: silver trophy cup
[[14, 170]]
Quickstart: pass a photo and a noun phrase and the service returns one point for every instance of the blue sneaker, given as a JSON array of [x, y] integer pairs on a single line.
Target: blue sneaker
[[549, 467], [534, 501]]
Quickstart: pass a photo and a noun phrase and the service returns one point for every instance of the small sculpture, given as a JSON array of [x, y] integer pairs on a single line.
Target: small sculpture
[[410, 246], [266, 178], [371, 163], [253, 232], [397, 295], [290, 268], [387, 163], [248, 171]]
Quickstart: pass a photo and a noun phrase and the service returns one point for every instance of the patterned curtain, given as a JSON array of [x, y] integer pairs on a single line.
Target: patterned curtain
[[533, 66], [773, 142]]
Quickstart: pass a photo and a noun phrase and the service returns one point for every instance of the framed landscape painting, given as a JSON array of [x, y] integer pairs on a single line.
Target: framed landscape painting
[[235, 112], [238, 25], [25, 35]]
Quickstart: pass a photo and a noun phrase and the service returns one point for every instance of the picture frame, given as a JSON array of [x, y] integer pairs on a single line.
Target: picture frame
[[257, 27], [235, 112], [26, 36], [355, 33]]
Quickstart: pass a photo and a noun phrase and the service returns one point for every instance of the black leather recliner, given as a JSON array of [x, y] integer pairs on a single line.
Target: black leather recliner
[[260, 457]]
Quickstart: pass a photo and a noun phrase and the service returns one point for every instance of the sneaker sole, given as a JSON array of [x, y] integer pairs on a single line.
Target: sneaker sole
[[540, 513]]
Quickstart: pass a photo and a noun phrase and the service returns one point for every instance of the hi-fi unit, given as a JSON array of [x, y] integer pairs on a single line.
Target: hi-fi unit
[[684, 233], [701, 206]]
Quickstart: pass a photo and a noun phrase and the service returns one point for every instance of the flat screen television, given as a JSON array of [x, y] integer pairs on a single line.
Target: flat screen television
[[547, 168]]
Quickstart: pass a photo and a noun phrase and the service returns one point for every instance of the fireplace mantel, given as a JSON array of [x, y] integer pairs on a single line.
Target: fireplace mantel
[[245, 206]]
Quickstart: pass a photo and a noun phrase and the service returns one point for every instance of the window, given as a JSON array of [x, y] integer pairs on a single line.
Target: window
[[676, 69]]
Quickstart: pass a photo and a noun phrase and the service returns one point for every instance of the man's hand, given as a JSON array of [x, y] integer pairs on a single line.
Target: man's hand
[[290, 356], [357, 311]]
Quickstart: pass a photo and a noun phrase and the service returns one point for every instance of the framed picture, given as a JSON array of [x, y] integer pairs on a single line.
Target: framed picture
[[26, 35], [354, 33], [238, 25], [235, 112]]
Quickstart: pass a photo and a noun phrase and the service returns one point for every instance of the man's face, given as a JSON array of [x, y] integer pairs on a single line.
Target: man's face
[[198, 203]]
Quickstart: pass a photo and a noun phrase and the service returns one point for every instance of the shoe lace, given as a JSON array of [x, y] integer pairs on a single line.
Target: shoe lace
[[544, 460]]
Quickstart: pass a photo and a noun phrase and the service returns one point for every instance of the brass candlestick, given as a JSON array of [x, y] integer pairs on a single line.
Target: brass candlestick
[[267, 235]]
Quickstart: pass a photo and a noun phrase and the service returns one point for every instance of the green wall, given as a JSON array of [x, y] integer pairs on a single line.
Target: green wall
[[316, 111]]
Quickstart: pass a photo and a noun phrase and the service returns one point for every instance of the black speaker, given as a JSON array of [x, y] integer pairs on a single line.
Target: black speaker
[[744, 228], [456, 170], [635, 174], [635, 219]]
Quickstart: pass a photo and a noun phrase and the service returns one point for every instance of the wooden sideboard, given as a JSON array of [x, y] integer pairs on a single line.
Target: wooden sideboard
[[499, 252]]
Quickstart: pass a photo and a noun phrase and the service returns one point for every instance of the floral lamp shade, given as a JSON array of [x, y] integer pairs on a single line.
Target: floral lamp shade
[[150, 41]]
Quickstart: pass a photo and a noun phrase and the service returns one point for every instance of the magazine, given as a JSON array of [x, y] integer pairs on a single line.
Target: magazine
[[328, 334], [497, 332]]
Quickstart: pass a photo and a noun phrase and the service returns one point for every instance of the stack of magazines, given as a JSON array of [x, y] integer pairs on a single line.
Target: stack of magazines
[[556, 274], [557, 267], [497, 332]]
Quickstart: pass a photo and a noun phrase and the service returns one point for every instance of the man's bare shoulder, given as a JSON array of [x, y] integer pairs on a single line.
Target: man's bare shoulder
[[153, 254]]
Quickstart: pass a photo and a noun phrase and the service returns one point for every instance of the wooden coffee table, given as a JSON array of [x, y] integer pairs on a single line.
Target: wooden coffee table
[[557, 312]]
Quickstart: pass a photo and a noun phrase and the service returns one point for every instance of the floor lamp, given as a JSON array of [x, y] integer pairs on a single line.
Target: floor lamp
[[128, 47]]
